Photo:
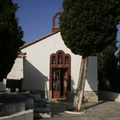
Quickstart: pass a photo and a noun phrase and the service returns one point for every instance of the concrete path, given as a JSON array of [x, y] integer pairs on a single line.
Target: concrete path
[[103, 110]]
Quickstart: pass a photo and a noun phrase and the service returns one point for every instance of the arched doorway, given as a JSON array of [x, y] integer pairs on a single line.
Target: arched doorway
[[60, 72]]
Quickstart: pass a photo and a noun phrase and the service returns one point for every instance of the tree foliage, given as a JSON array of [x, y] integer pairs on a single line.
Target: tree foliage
[[108, 68], [88, 26], [10, 36]]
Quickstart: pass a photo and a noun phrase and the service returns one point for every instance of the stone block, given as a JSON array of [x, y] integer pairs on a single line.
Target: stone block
[[42, 109], [42, 115], [90, 96], [41, 100], [24, 115], [39, 104], [36, 96], [11, 108], [29, 103]]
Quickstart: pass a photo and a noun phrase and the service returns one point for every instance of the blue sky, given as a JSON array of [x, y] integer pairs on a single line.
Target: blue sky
[[36, 17], [118, 38]]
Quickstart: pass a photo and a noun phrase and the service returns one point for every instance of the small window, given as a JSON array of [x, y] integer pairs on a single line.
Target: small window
[[60, 58], [66, 60], [53, 60]]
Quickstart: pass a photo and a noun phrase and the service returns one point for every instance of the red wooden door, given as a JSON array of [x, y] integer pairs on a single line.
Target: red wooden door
[[56, 79], [60, 72], [60, 83]]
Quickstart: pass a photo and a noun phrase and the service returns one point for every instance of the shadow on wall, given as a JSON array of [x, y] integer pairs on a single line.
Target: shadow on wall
[[92, 80], [91, 85], [92, 77], [72, 84], [72, 94], [33, 78]]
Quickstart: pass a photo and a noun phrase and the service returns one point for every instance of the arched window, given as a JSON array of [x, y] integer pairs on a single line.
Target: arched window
[[59, 58], [53, 60], [66, 60]]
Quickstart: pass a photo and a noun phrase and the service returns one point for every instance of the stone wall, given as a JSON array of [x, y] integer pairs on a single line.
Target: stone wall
[[88, 96], [24, 115], [11, 108]]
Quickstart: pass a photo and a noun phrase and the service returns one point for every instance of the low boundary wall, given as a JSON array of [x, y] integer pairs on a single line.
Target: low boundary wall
[[105, 95], [24, 115]]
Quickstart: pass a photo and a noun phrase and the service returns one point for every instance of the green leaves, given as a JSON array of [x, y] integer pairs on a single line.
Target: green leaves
[[10, 36], [108, 68], [87, 26]]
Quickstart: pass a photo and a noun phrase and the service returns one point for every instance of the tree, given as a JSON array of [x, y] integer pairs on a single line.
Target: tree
[[115, 82], [10, 36], [87, 27], [107, 65], [118, 55], [109, 69]]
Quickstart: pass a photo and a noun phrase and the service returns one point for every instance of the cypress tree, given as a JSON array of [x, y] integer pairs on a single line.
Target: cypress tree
[[88, 27], [107, 66], [10, 36]]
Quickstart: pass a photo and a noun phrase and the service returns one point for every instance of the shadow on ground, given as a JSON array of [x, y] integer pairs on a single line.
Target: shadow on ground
[[57, 106]]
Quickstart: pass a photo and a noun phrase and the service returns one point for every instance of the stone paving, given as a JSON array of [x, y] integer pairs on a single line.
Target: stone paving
[[103, 110]]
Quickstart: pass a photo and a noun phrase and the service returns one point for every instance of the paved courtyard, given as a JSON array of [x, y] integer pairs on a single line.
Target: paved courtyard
[[103, 110]]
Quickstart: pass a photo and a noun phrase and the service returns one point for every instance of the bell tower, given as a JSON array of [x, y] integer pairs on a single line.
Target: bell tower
[[54, 22]]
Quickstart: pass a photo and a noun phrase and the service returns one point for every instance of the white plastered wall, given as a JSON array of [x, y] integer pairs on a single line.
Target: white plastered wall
[[16, 72], [37, 65]]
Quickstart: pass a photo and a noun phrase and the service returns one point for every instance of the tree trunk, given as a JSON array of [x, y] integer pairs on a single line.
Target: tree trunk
[[81, 84]]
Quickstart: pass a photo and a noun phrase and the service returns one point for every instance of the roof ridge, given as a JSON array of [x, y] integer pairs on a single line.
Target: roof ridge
[[39, 39]]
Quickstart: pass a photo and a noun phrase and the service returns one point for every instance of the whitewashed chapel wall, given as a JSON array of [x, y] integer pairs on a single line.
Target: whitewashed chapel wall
[[37, 65]]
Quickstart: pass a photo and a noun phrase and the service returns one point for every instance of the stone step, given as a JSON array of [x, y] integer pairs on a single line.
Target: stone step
[[29, 103], [47, 105], [42, 115], [40, 104], [40, 100], [36, 96], [41, 109]]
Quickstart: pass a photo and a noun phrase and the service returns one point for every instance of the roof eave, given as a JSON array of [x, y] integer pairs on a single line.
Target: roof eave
[[39, 39]]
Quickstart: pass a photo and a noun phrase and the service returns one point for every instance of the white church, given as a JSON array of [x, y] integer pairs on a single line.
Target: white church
[[50, 68]]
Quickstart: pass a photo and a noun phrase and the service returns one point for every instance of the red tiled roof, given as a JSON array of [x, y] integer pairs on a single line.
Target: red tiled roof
[[39, 39]]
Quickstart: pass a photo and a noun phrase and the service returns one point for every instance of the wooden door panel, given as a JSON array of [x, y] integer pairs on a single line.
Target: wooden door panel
[[56, 94], [56, 83]]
